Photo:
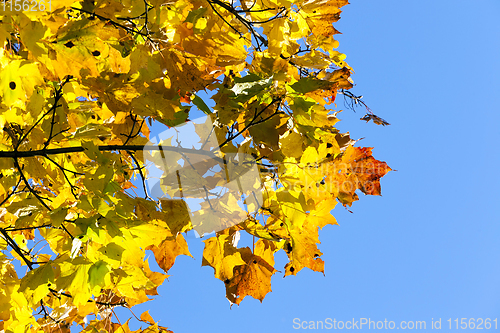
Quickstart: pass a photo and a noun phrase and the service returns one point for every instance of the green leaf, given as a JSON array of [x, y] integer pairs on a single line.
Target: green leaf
[[56, 217], [74, 278], [92, 151], [179, 118], [100, 179], [246, 90], [308, 84], [250, 77], [37, 282], [97, 276], [113, 251], [200, 104], [196, 14]]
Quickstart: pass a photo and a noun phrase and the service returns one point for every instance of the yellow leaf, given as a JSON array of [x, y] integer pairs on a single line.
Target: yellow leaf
[[168, 250], [31, 33], [291, 144], [37, 282], [146, 317], [302, 250], [74, 278], [320, 215], [18, 80], [222, 256], [321, 14]]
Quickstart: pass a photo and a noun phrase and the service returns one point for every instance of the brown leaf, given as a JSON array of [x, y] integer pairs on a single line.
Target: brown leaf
[[253, 278], [376, 119]]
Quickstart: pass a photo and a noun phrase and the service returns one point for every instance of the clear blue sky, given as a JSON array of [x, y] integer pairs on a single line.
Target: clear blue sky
[[429, 248]]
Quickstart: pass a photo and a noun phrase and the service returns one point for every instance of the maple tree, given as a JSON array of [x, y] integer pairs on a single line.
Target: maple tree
[[81, 83]]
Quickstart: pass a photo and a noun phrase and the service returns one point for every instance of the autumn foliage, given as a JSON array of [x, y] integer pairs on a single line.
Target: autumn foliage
[[81, 85]]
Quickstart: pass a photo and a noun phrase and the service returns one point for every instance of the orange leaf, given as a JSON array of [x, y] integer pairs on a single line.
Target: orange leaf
[[253, 278], [167, 252], [355, 169], [146, 317]]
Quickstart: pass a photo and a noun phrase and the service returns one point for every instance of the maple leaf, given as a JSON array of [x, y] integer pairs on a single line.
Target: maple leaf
[[321, 14], [168, 250], [355, 169], [254, 277], [221, 254]]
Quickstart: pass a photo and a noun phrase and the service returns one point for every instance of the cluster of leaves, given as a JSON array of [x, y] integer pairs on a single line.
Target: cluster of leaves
[[79, 84]]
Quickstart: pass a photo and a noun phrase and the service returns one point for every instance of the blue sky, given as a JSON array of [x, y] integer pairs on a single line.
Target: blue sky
[[429, 247]]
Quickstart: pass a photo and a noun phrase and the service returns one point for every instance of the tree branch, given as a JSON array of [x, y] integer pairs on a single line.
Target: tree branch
[[16, 248], [40, 199], [252, 123], [118, 25], [10, 228], [57, 97], [67, 150], [139, 168]]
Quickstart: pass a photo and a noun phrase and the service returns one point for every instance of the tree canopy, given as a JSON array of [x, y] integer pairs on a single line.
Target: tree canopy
[[82, 83]]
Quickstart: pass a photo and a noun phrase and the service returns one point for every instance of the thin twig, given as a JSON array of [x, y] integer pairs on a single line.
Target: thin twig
[[10, 228], [251, 123], [139, 168], [16, 164]]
